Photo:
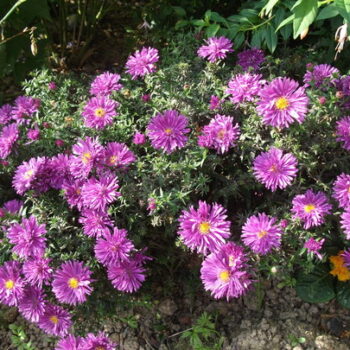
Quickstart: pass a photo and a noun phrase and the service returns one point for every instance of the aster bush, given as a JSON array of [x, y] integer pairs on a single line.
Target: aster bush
[[174, 186]]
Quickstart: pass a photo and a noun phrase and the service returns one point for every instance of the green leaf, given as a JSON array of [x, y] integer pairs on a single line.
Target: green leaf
[[343, 293], [238, 41], [343, 7], [316, 286], [327, 12], [212, 30], [286, 31], [198, 22], [285, 22], [305, 12], [180, 11], [257, 38], [181, 23], [270, 38], [214, 16], [267, 9]]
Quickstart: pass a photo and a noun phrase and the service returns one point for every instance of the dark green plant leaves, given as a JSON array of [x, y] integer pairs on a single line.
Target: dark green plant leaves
[[343, 293], [317, 286], [343, 6], [305, 12]]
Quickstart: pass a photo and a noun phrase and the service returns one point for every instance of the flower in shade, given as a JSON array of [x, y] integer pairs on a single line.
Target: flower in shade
[[261, 233], [138, 138], [37, 271], [72, 283], [55, 320], [32, 304], [71, 342], [105, 84], [72, 192], [118, 155], [151, 205], [275, 169], [322, 74], [282, 102], [11, 283], [97, 194], [127, 275], [99, 112], [95, 223], [204, 229], [13, 206], [142, 62], [215, 102], [220, 134], [59, 143], [251, 58], [146, 97], [343, 132], [167, 131], [216, 48], [97, 342], [28, 238], [5, 114], [224, 273], [25, 107], [9, 135], [52, 85], [341, 190], [113, 248], [345, 222], [60, 172], [340, 269], [311, 208], [244, 87], [86, 154], [314, 246], [33, 134]]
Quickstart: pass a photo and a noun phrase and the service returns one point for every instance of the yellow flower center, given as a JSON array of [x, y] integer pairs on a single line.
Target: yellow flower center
[[113, 160], [204, 227], [100, 112], [168, 131], [100, 348], [262, 234], [78, 191], [86, 157], [28, 174], [281, 103], [54, 319], [349, 189], [73, 283], [273, 168], [309, 208], [221, 134], [9, 284], [224, 275]]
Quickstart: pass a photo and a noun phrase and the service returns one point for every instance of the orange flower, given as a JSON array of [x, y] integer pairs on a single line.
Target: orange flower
[[339, 269]]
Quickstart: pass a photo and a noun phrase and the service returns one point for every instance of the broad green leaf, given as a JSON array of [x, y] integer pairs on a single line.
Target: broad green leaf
[[327, 12], [270, 38], [343, 293], [215, 17], [286, 31], [198, 22], [305, 12], [232, 31], [257, 37], [238, 41], [316, 286], [180, 11], [285, 22], [267, 9], [343, 7], [212, 30]]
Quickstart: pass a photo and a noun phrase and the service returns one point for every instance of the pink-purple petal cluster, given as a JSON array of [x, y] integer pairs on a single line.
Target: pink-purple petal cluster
[[105, 83], [142, 62], [322, 74], [341, 190], [215, 48], [343, 132], [251, 59]]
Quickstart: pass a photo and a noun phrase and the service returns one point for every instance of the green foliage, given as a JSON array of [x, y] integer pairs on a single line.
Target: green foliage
[[343, 293], [19, 338]]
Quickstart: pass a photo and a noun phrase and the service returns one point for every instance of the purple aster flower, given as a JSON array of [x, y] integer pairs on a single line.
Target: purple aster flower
[[9, 135], [346, 256], [28, 238], [25, 107], [5, 114], [13, 206], [146, 98], [33, 134], [97, 342], [69, 343], [204, 229], [60, 172], [244, 87], [118, 155], [282, 102], [311, 208], [142, 62], [99, 112], [127, 275], [11, 283], [275, 169], [151, 205], [220, 134], [167, 131], [261, 233], [113, 248], [97, 194], [314, 246], [37, 271], [251, 58], [52, 85], [342, 84], [95, 223], [345, 222], [139, 139], [216, 48], [86, 154], [55, 320], [322, 74], [215, 102], [71, 283], [105, 83], [341, 190], [32, 304], [224, 273], [343, 132], [72, 192]]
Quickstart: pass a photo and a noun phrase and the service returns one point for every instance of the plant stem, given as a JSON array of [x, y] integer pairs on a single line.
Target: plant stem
[[18, 3]]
